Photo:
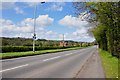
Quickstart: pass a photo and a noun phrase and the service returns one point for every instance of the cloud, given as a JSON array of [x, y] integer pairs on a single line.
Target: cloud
[[7, 5], [19, 10], [11, 5], [56, 6], [81, 27], [9, 26], [31, 4], [49, 33], [26, 26], [70, 21], [41, 21]]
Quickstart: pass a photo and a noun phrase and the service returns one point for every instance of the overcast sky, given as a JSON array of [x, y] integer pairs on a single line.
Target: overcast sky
[[52, 20]]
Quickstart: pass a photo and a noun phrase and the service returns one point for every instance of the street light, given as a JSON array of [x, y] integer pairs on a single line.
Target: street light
[[34, 34]]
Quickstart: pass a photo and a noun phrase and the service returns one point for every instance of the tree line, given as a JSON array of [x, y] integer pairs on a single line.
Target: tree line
[[26, 44], [106, 16]]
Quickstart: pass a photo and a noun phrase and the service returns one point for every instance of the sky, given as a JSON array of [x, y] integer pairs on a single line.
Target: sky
[[53, 19]]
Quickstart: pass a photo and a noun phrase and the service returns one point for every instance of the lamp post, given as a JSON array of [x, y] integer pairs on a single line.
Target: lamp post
[[34, 34]]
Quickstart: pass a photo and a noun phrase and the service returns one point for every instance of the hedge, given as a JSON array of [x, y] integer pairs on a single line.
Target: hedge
[[26, 48]]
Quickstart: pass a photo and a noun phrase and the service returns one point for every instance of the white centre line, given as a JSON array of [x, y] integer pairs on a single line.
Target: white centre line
[[28, 57], [21, 58], [68, 54], [52, 58], [13, 68]]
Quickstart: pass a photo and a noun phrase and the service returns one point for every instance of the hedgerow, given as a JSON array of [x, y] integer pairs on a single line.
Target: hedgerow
[[27, 48]]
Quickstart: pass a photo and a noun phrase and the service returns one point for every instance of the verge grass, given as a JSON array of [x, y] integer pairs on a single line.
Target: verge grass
[[30, 53], [110, 64]]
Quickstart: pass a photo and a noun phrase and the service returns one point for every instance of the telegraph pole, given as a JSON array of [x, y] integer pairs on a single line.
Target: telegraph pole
[[63, 40]]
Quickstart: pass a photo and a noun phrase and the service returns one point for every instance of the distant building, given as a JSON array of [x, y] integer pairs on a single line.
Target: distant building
[[65, 43], [55, 44], [69, 43]]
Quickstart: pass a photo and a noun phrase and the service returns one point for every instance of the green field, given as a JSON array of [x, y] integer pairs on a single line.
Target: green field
[[30, 53], [110, 64]]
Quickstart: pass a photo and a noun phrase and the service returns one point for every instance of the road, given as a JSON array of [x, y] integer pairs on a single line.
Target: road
[[54, 65]]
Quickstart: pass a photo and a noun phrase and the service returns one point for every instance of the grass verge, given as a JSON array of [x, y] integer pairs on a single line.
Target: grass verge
[[30, 53], [110, 64]]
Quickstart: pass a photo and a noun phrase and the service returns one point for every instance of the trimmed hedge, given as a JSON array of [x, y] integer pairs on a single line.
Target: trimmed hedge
[[26, 48]]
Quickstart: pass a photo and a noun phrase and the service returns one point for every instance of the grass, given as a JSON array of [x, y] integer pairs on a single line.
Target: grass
[[110, 64], [30, 53]]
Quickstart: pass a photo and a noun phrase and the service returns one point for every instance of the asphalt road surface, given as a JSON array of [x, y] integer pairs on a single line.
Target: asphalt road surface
[[53, 65]]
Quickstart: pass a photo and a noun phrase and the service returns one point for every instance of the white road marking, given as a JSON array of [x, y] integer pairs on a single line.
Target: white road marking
[[68, 54], [27, 57], [13, 68], [20, 58], [52, 58]]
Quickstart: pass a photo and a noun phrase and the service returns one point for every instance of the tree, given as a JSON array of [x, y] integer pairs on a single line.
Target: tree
[[107, 14]]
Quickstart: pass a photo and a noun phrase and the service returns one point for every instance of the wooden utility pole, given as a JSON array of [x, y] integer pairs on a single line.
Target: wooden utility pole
[[63, 40]]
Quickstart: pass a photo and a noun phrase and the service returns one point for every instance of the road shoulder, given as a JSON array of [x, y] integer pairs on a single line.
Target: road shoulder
[[92, 68]]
